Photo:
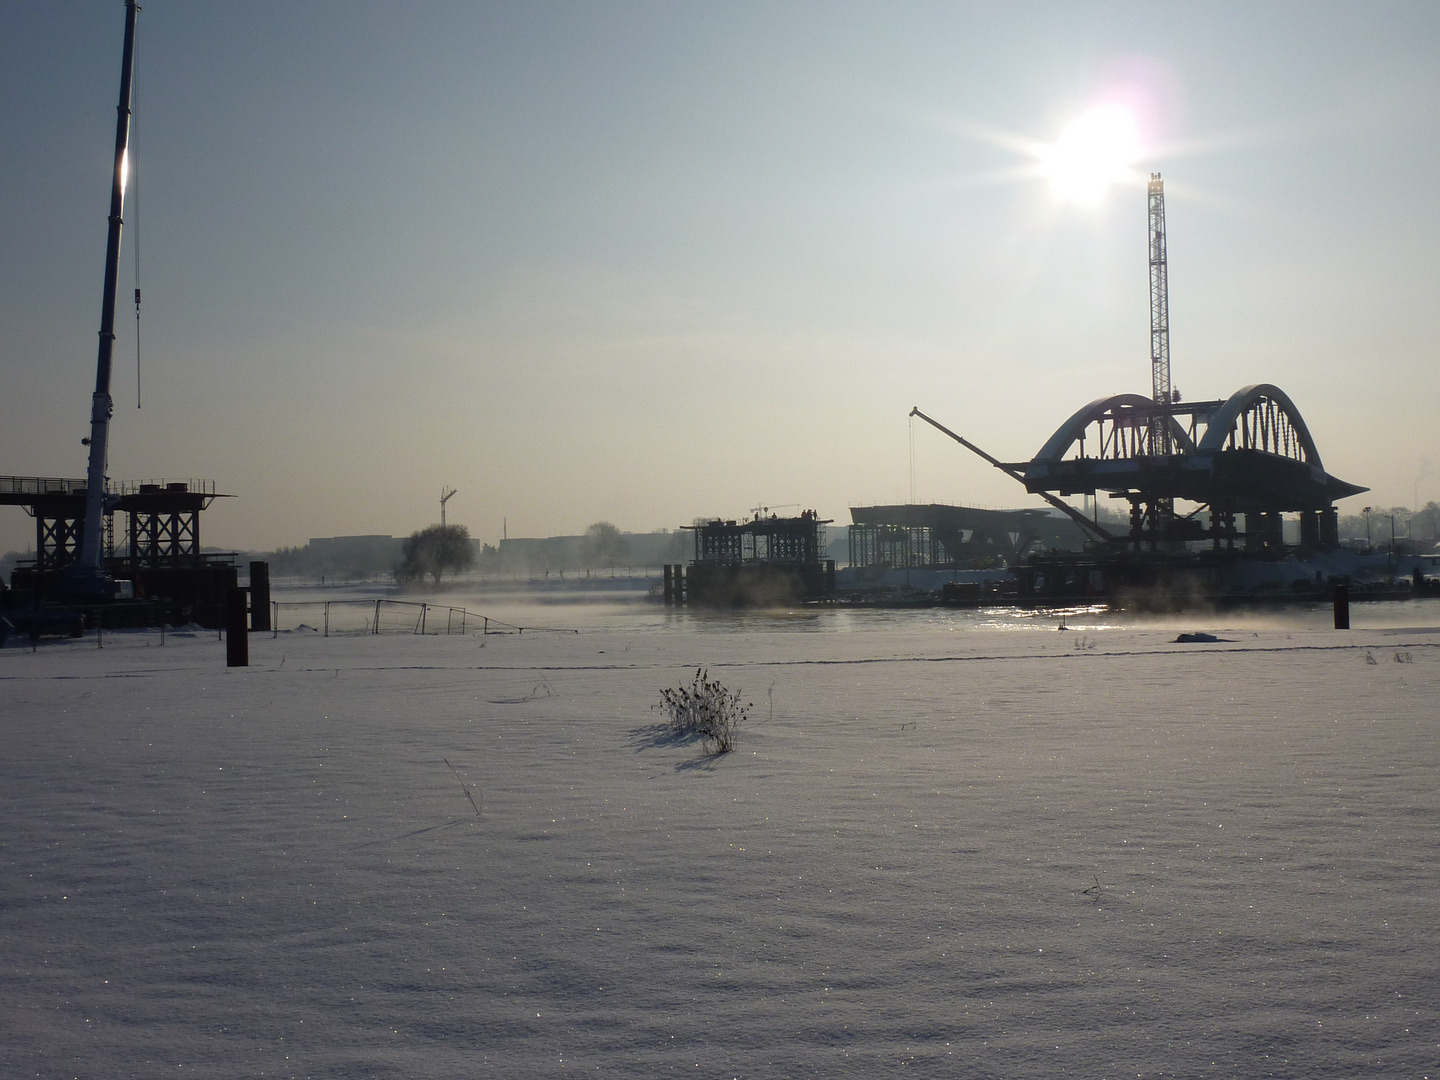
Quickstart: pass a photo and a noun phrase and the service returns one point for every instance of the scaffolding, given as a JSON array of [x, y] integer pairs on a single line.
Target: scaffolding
[[763, 561], [161, 554]]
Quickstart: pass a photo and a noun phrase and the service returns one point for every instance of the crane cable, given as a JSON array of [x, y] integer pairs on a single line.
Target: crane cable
[[912, 460]]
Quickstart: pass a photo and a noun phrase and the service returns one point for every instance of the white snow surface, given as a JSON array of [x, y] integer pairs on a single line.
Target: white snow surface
[[974, 854]]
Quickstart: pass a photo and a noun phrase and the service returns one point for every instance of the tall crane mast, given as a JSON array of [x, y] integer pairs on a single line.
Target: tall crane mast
[[1159, 321], [89, 576]]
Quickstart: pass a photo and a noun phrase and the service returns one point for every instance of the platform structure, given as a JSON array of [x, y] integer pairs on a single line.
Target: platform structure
[[159, 551], [756, 563], [939, 536]]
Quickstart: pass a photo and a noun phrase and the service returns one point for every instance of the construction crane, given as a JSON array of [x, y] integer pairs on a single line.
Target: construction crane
[[1093, 528], [1159, 321], [1162, 510], [444, 498], [87, 576]]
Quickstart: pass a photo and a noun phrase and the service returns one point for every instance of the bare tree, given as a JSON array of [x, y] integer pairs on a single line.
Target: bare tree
[[604, 545], [436, 550]]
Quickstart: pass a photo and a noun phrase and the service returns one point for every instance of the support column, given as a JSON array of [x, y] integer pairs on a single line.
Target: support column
[[1329, 529], [1264, 532]]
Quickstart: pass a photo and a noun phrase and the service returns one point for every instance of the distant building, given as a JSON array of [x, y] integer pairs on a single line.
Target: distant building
[[574, 552], [348, 554]]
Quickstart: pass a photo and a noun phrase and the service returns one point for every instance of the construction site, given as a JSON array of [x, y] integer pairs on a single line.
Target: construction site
[[157, 572], [1205, 484]]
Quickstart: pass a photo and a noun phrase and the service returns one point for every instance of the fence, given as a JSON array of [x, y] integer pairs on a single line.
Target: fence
[[391, 617]]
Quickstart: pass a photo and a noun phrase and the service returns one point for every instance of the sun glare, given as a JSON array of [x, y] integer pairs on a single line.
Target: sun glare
[[1095, 151]]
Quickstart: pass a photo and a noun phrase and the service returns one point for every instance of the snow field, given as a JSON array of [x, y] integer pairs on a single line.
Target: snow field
[[1003, 854]]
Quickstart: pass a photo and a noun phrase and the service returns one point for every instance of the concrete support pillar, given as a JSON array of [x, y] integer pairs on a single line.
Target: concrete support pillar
[[1264, 532], [1254, 532], [1310, 529], [1329, 529]]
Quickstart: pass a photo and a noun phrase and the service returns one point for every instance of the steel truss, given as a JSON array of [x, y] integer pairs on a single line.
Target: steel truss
[[158, 539]]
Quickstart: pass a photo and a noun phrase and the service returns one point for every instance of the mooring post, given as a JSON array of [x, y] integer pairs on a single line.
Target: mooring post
[[1342, 606], [260, 596], [237, 636], [669, 585]]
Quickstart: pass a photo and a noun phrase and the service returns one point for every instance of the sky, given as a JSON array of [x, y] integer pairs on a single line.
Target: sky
[[644, 262]]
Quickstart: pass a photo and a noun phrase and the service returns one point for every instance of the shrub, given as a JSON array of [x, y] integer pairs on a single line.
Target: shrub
[[707, 709]]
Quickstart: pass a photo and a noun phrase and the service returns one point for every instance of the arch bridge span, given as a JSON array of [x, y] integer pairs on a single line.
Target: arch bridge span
[[1251, 453], [1259, 417]]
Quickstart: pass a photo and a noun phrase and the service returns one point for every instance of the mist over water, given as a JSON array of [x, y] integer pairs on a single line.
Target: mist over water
[[631, 610]]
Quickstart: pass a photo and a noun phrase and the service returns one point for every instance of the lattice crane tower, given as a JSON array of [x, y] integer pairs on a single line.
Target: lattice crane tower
[[1159, 320]]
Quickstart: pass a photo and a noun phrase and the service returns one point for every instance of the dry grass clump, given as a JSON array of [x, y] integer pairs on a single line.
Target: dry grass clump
[[707, 709]]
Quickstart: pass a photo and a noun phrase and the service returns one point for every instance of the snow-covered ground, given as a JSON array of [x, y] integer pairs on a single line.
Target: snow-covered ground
[[965, 850]]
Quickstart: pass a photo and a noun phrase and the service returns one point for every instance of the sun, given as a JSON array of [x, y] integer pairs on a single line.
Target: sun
[[1095, 151]]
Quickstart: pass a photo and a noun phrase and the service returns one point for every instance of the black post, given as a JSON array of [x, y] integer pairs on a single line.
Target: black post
[[259, 596], [1342, 606], [237, 637]]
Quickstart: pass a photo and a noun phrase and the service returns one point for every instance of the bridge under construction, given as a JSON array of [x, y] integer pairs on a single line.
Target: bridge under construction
[[1241, 462]]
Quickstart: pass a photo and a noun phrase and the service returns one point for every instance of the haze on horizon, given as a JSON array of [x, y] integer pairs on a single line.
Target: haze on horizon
[[644, 262]]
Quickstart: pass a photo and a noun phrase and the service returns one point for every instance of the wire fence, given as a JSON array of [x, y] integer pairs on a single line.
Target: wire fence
[[335, 617]]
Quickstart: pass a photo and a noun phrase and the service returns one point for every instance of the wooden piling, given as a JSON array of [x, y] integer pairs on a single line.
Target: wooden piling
[[1342, 606], [259, 596]]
